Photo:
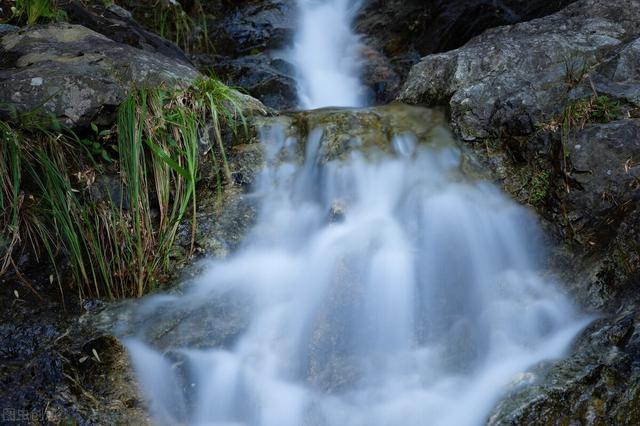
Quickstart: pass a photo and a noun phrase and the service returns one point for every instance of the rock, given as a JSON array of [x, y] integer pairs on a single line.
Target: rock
[[404, 31], [262, 75], [599, 384], [77, 74], [602, 210], [490, 85], [117, 24], [248, 38], [6, 29], [54, 370]]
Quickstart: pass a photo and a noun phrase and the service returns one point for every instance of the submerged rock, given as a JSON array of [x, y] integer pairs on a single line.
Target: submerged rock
[[76, 74]]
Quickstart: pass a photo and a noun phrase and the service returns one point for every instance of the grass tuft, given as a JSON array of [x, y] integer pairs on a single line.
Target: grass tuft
[[33, 12], [118, 238]]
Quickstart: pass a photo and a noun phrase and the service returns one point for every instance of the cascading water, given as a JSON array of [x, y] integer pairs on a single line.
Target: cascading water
[[326, 55], [374, 290]]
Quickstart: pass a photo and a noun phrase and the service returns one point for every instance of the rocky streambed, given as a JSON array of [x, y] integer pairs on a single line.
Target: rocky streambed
[[548, 108]]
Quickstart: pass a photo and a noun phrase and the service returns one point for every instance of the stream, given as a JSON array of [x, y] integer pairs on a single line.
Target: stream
[[385, 286]]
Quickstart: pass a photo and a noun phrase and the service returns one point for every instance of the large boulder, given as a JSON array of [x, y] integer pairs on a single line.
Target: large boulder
[[76, 74], [402, 31], [514, 77]]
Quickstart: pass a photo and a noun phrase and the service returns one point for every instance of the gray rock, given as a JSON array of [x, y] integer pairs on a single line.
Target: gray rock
[[118, 24], [599, 384], [77, 74], [603, 156], [602, 211], [513, 77], [247, 38], [6, 29], [406, 30]]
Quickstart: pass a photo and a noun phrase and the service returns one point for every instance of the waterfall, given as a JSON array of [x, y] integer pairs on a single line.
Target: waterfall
[[375, 289], [326, 55]]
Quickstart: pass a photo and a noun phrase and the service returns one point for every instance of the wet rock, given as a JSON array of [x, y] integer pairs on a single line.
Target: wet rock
[[263, 75], [248, 38], [6, 29], [492, 87], [76, 74], [55, 371], [599, 384], [253, 26]]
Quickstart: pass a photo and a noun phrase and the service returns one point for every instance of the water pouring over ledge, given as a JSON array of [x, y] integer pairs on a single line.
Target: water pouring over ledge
[[374, 289], [380, 285], [326, 55]]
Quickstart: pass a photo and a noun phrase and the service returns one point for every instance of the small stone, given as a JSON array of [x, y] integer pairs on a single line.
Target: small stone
[[36, 81]]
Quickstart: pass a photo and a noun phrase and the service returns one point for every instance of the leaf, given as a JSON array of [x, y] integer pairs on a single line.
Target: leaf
[[94, 127], [95, 354], [168, 160]]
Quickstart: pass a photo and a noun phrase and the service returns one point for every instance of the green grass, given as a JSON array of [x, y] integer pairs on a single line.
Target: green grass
[[121, 243], [168, 19], [595, 109], [33, 12]]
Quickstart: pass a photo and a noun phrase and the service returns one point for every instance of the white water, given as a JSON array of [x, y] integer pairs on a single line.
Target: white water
[[417, 304], [370, 292], [326, 55]]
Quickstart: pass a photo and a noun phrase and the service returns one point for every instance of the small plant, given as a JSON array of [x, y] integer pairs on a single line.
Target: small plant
[[604, 109], [96, 145], [34, 12], [595, 109], [539, 188], [575, 70]]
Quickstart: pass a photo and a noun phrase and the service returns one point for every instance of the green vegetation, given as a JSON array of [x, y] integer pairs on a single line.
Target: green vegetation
[[539, 188], [116, 234], [187, 29], [34, 12], [595, 109]]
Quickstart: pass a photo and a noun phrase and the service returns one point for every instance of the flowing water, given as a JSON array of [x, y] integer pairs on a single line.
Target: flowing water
[[375, 288], [326, 55]]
